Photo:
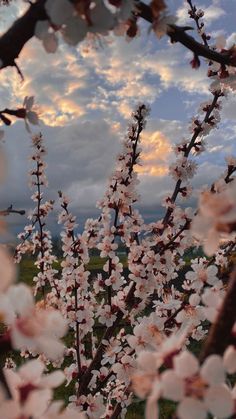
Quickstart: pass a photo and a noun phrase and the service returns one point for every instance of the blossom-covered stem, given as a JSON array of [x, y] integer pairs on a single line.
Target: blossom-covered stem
[[101, 383], [85, 379], [169, 321], [135, 144], [109, 288], [179, 34], [28, 234], [64, 205], [40, 223], [77, 331], [195, 15], [118, 408], [163, 247], [195, 135], [170, 243], [220, 335], [14, 39], [216, 96], [231, 248], [134, 136]]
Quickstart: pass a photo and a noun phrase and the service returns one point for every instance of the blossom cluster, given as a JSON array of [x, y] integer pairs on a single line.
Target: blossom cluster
[[79, 20], [36, 238], [129, 327], [198, 390], [31, 327], [108, 329]]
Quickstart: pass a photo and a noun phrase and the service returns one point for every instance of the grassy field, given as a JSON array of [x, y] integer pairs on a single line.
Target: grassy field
[[27, 269]]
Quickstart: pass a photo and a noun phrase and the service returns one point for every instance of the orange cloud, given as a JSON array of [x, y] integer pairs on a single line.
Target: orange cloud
[[155, 156]]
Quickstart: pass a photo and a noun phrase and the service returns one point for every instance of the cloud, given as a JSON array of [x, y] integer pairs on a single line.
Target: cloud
[[173, 68], [106, 81], [85, 94], [80, 157], [80, 154], [156, 151], [61, 85], [9, 14]]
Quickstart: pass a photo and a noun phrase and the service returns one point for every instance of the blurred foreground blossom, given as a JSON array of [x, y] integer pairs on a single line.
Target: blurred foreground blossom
[[31, 392], [31, 328], [31, 115], [216, 216]]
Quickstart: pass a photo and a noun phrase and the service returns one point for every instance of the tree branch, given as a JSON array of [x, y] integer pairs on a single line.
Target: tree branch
[[14, 39], [220, 335], [10, 210], [22, 30], [178, 34]]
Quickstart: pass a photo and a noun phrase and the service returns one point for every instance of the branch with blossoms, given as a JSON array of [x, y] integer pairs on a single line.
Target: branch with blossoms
[[199, 389], [196, 15], [73, 287], [100, 367], [26, 112], [34, 328], [194, 299], [75, 20], [35, 238], [178, 34], [97, 359], [184, 168], [221, 335], [24, 326]]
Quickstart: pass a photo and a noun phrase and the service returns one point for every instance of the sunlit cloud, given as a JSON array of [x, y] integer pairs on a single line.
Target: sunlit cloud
[[85, 96], [155, 156]]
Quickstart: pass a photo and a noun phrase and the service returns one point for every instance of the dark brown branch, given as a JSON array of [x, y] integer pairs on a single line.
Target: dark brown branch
[[118, 408], [5, 2], [14, 39], [5, 347], [179, 34], [85, 379], [117, 411], [220, 335], [4, 383], [10, 210]]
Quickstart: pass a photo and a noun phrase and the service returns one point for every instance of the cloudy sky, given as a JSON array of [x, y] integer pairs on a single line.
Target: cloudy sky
[[85, 96]]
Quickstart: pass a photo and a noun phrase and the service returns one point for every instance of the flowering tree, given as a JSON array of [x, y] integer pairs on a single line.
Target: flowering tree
[[127, 330]]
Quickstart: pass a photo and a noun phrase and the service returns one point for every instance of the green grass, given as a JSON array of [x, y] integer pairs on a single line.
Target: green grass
[[27, 269], [97, 263]]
